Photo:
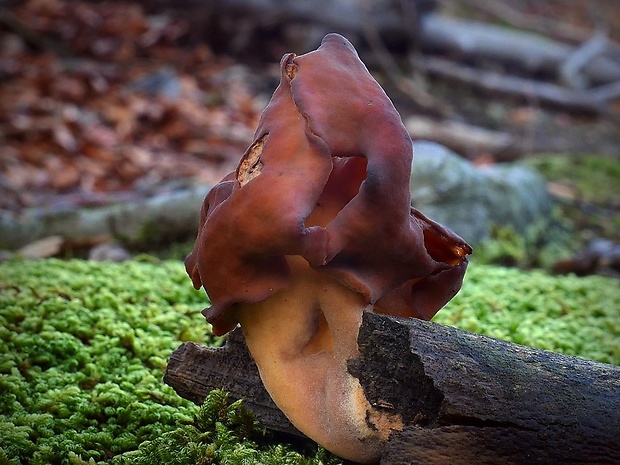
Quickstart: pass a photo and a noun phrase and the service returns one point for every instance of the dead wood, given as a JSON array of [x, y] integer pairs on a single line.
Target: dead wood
[[471, 141], [36, 40], [546, 26], [587, 101], [245, 24], [572, 70], [530, 52], [481, 400], [466, 139], [263, 27], [464, 398], [392, 70]]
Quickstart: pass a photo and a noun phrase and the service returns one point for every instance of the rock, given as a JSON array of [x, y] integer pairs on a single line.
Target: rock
[[471, 200], [163, 217], [109, 252]]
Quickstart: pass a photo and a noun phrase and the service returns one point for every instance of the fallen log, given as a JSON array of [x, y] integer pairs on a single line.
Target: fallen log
[[593, 101], [532, 53], [254, 29], [472, 141], [545, 25], [466, 139], [464, 398], [481, 400]]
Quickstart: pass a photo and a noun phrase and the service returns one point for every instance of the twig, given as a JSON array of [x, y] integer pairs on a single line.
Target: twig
[[606, 92], [531, 52], [580, 57], [551, 94], [542, 25]]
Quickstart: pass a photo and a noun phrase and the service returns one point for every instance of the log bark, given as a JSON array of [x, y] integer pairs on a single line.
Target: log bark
[[265, 29], [464, 398], [545, 25], [246, 27], [471, 399]]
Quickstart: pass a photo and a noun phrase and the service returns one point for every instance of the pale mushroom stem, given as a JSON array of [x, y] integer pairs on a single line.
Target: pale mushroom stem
[[301, 338]]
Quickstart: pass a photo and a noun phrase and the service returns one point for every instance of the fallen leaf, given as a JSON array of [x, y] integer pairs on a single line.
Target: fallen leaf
[[43, 248]]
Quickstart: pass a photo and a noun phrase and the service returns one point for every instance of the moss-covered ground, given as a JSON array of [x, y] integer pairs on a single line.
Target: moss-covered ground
[[567, 314], [587, 207], [83, 348], [587, 186]]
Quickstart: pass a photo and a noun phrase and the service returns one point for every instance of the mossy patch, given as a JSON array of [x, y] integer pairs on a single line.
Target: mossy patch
[[540, 245], [587, 207], [565, 314], [83, 348], [591, 176], [589, 193], [82, 356], [221, 434]]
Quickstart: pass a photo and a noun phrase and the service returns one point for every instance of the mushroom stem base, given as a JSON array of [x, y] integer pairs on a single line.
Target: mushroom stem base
[[301, 339]]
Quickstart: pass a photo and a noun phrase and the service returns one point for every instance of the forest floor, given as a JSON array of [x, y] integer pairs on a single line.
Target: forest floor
[[102, 102]]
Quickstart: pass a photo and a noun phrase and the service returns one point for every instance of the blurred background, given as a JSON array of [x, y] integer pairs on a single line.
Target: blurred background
[[117, 117]]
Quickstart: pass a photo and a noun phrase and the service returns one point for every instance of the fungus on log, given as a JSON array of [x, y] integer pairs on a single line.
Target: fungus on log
[[463, 398], [314, 229]]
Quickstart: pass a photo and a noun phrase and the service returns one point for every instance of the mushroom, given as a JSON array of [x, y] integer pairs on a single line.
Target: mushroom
[[314, 228]]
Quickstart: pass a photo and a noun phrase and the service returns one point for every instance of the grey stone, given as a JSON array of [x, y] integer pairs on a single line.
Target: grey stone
[[470, 200]]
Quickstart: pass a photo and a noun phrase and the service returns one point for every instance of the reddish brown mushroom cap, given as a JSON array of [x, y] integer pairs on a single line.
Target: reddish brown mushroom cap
[[327, 179]]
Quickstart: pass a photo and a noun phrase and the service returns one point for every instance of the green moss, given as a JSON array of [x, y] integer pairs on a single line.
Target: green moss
[[594, 198], [589, 208], [591, 175], [221, 434], [171, 251], [82, 353], [541, 245], [83, 347], [565, 314]]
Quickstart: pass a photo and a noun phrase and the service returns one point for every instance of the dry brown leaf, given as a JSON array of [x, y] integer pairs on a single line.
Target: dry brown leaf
[[63, 172], [101, 136], [67, 87], [77, 127], [43, 248], [563, 191], [139, 157], [97, 155], [64, 138]]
